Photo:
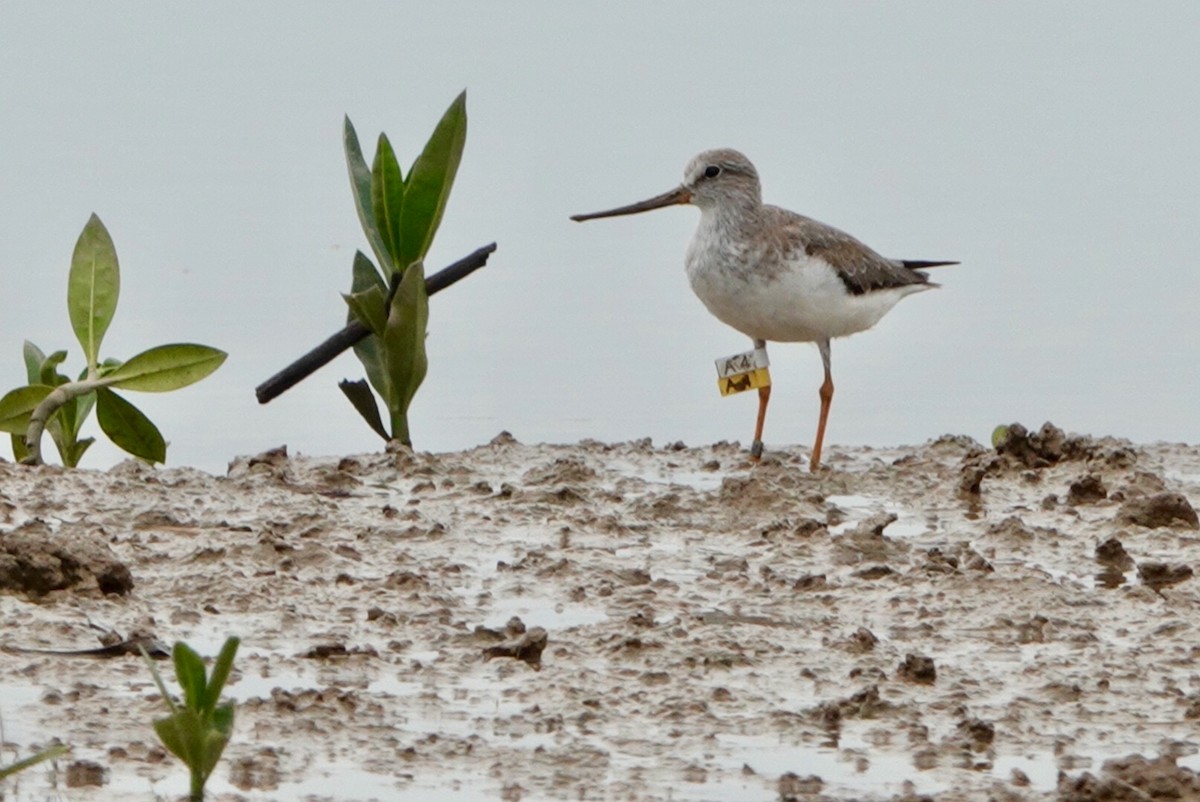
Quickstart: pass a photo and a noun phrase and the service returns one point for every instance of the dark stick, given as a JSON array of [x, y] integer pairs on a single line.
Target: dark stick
[[324, 353]]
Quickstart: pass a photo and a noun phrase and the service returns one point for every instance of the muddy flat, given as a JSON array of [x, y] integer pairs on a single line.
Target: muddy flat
[[622, 622]]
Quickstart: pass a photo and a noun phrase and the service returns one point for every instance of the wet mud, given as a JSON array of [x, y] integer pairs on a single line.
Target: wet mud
[[623, 621]]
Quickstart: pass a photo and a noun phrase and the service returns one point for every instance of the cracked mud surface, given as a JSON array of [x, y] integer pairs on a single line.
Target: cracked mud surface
[[942, 621]]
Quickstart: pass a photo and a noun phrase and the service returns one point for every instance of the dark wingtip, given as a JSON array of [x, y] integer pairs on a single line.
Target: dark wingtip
[[918, 264]]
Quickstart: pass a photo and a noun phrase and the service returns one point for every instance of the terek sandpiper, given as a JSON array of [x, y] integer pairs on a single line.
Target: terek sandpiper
[[776, 275]]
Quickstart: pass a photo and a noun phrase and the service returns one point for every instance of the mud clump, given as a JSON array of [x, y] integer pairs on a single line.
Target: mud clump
[[564, 470], [1133, 778], [973, 470], [867, 542], [1114, 562], [273, 462], [1033, 450], [256, 772], [514, 628], [811, 582], [918, 668], [83, 773], [954, 559], [1160, 510], [794, 788], [863, 640], [1017, 448], [1087, 489], [1013, 530], [1112, 552], [36, 561], [873, 572], [976, 734], [524, 645], [867, 703], [1160, 575], [336, 649]]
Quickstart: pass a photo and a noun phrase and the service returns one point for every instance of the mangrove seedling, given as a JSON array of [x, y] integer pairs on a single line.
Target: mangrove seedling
[[196, 731], [400, 215], [55, 403]]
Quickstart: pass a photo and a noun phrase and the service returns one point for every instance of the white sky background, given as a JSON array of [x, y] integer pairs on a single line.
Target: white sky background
[[1053, 148]]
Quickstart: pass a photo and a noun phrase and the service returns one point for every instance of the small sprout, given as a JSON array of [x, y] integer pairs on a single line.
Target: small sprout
[[197, 731]]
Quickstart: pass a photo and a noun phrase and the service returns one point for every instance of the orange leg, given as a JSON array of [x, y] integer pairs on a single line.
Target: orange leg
[[764, 395], [826, 393], [756, 448]]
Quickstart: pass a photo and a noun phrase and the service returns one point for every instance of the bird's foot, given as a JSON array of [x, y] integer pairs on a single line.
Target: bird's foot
[[756, 449]]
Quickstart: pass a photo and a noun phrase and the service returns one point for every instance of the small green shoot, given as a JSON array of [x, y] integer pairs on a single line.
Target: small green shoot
[[197, 731], [21, 765], [52, 402], [399, 216]]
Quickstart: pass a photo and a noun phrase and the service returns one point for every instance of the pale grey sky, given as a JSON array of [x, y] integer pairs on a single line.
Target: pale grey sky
[[1053, 148]]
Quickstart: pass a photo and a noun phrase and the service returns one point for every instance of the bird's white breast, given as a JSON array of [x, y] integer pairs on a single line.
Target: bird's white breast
[[751, 288]]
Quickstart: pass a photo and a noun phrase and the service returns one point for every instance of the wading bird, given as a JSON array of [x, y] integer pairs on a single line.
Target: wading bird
[[776, 275]]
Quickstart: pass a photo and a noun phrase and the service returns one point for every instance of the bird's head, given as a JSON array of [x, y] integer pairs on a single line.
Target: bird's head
[[713, 179]]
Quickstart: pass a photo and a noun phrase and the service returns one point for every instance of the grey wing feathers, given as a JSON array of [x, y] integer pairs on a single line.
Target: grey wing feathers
[[860, 268]]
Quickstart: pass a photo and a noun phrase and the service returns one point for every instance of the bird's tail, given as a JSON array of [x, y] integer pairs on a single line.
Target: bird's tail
[[918, 264]]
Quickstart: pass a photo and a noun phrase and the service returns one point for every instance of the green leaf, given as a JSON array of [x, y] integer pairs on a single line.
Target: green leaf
[[158, 680], [367, 350], [360, 185], [33, 362], [20, 452], [172, 735], [128, 428], [93, 287], [429, 182], [189, 673], [364, 275], [222, 719], [64, 428], [46, 754], [68, 416], [61, 444], [195, 741], [107, 367], [404, 347], [76, 453], [49, 373], [214, 744], [184, 735], [387, 197], [220, 673], [83, 408], [17, 405], [360, 396], [369, 308], [167, 367]]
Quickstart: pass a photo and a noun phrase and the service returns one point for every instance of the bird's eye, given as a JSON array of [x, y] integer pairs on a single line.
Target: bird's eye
[[712, 171]]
